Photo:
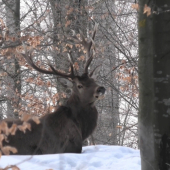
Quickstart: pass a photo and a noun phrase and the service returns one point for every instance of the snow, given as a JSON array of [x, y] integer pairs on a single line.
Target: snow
[[99, 157]]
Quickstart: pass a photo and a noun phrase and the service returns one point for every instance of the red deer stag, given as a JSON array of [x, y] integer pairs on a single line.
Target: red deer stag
[[64, 130]]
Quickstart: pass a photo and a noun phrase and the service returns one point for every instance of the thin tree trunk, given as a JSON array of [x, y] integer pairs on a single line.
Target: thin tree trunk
[[13, 68]]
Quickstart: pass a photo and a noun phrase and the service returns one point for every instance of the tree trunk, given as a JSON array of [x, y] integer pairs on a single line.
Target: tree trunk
[[61, 17], [154, 83], [13, 68]]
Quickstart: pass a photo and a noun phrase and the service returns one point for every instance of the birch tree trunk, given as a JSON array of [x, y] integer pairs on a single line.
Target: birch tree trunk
[[12, 8]]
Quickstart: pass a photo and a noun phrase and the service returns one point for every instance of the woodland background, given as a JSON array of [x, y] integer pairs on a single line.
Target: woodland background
[[44, 27]]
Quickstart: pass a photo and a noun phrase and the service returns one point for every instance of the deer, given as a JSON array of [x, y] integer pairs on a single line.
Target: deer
[[65, 129]]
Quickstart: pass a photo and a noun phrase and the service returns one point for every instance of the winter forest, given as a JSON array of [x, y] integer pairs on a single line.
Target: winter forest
[[121, 44]]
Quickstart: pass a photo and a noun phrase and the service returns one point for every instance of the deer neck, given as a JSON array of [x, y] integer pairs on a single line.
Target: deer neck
[[75, 101], [85, 115]]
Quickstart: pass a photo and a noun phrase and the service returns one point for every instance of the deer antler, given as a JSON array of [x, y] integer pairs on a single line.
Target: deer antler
[[87, 46], [29, 60]]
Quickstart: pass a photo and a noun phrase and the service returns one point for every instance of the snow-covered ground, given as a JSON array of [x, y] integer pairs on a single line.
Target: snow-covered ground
[[99, 157]]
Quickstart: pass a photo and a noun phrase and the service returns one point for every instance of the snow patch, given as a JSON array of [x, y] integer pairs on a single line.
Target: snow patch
[[99, 157]]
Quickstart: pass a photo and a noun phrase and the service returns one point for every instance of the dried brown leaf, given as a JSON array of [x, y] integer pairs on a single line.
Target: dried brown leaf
[[4, 128], [25, 117], [48, 83], [24, 127], [81, 58], [21, 112], [2, 137], [123, 61], [7, 149], [76, 66], [147, 10], [69, 45], [36, 119], [135, 6], [13, 129], [67, 23], [70, 11], [15, 168], [40, 83], [2, 22]]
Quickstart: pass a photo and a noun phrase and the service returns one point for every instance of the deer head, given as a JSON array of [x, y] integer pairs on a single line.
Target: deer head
[[84, 86], [86, 89]]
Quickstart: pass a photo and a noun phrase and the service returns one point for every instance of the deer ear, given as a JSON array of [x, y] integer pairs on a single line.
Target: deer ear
[[94, 76], [94, 73], [66, 82], [69, 83]]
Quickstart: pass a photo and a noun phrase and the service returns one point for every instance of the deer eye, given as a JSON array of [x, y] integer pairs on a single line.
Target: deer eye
[[80, 86]]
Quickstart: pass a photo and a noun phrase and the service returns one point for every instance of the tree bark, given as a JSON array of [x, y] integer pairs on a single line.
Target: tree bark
[[154, 83], [60, 17], [13, 68]]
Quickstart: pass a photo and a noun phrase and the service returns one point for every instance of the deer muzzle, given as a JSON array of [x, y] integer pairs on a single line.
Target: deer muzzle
[[100, 92]]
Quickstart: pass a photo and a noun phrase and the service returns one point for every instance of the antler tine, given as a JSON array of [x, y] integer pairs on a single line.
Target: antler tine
[[95, 29], [91, 74], [59, 73], [71, 64], [87, 64], [87, 46], [31, 63], [29, 60]]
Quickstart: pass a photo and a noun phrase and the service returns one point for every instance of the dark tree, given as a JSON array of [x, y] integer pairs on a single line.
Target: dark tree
[[154, 83]]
